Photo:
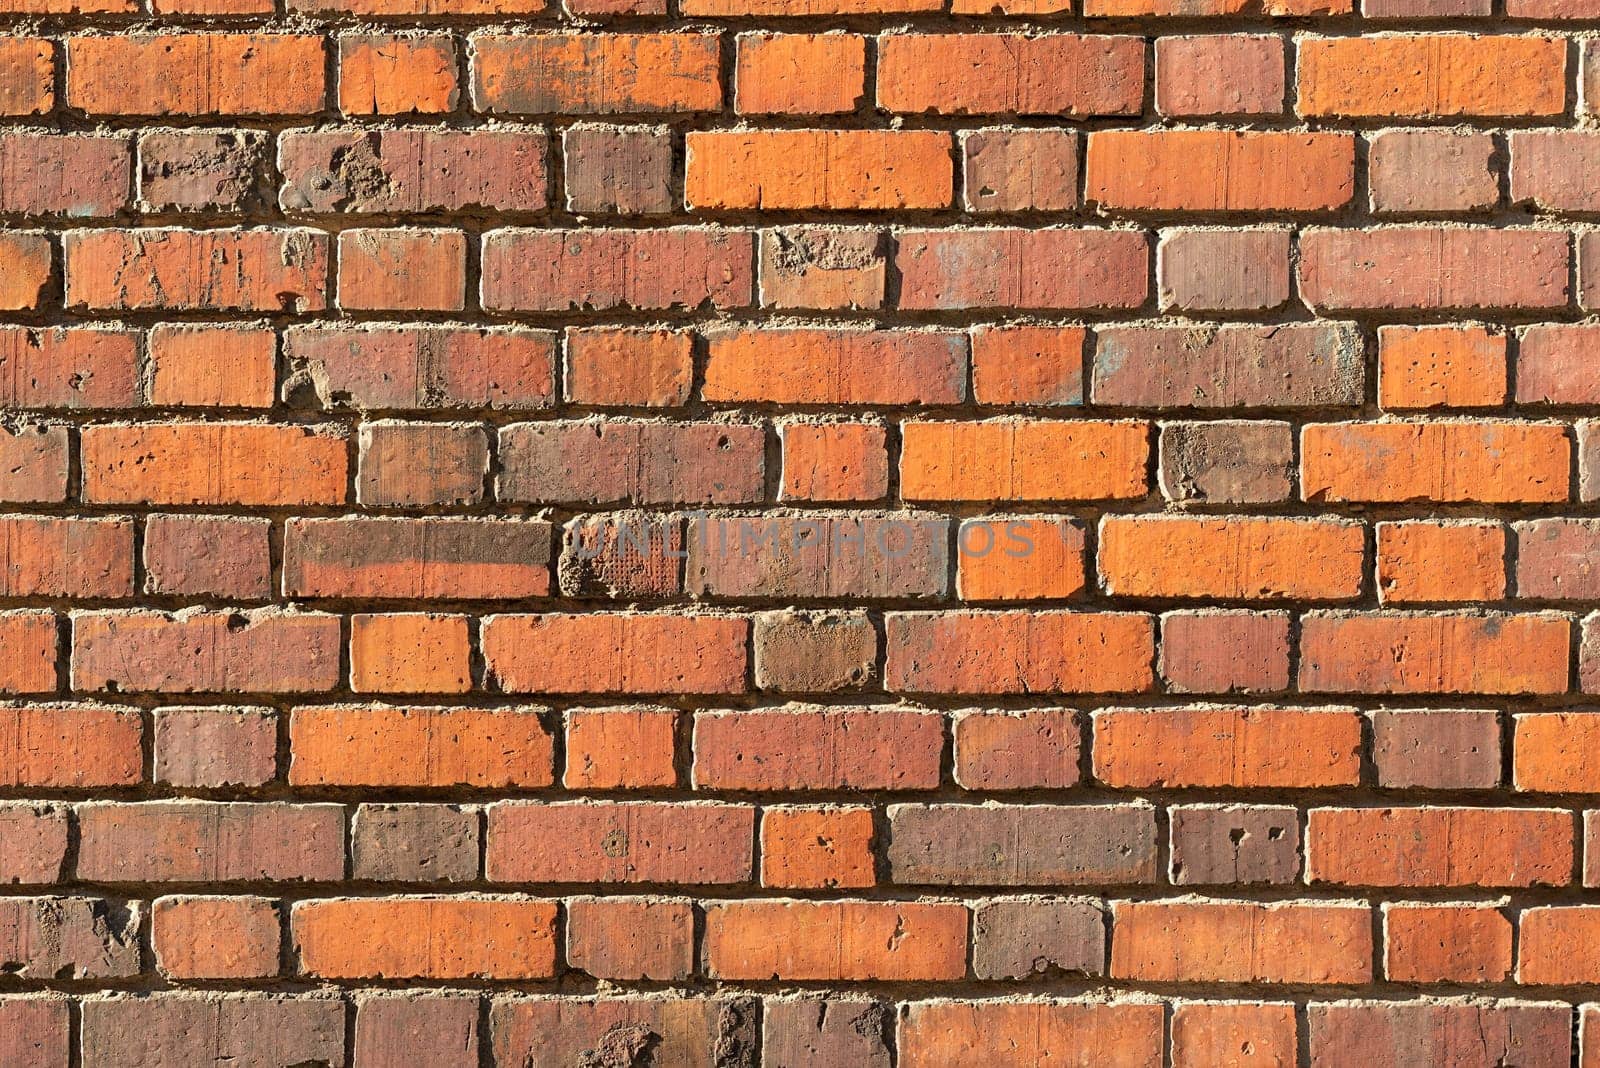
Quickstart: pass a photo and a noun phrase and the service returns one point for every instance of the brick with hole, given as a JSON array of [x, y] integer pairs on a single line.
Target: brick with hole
[[1440, 367], [818, 749], [264, 650], [394, 74], [1022, 938], [1022, 845], [622, 170], [412, 843], [379, 745], [700, 843], [624, 939], [68, 367], [466, 558], [1248, 1034], [629, 368], [1424, 560], [1011, 170], [216, 937], [1023, 750], [816, 848], [560, 270], [621, 748], [215, 747], [822, 267], [439, 938], [1428, 846], [421, 465], [420, 367], [203, 170], [413, 170], [1233, 845], [814, 652]]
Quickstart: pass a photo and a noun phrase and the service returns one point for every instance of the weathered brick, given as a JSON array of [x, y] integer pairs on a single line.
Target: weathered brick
[[33, 463], [826, 268], [421, 465], [401, 269], [33, 845], [68, 367], [992, 1031], [420, 367], [1234, 844], [1440, 367], [814, 652], [69, 938], [1223, 270], [412, 171], [834, 461], [415, 843], [1022, 845], [860, 556], [433, 556], [391, 74], [1414, 171], [699, 843], [1239, 74], [213, 1030], [831, 1033], [1245, 1033], [818, 749], [203, 170], [1436, 750], [622, 555], [1291, 366], [1019, 170], [627, 170], [394, 1030], [282, 270], [216, 937], [1226, 461], [1018, 938], [1035, 748], [27, 75], [266, 650], [689, 1030], [816, 848]]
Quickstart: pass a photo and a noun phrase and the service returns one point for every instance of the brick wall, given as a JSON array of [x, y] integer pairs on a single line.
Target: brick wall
[[799, 533]]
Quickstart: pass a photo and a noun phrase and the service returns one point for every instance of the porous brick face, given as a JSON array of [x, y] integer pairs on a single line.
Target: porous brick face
[[799, 533]]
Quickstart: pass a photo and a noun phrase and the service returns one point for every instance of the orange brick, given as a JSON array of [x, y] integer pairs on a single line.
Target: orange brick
[[1495, 463], [1549, 752], [212, 7], [1560, 945], [198, 74], [27, 76], [25, 270], [829, 941], [998, 73], [799, 73], [216, 937], [621, 748], [69, 747], [1240, 748], [595, 73], [827, 366], [1440, 367], [212, 463], [616, 653], [213, 366], [1220, 170], [1201, 941], [410, 270], [1438, 846], [28, 642], [1436, 561], [1023, 460], [1233, 559], [817, 848], [1018, 558], [410, 652], [1445, 944], [944, 1034], [834, 462], [197, 270], [1028, 365], [629, 368], [789, 170], [44, 556], [389, 74], [426, 938], [1432, 76], [1240, 1034], [432, 747]]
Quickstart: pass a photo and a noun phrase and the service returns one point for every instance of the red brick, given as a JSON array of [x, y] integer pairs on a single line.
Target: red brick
[[1557, 946], [1553, 365], [215, 937], [402, 1029], [267, 650], [70, 746], [685, 1029], [1432, 267], [1432, 171], [631, 938], [240, 1030], [208, 556], [213, 463], [1014, 268], [196, 74], [1440, 367], [1445, 944], [419, 747], [426, 938], [28, 643], [1022, 845], [1199, 941], [834, 461], [698, 843], [1549, 169], [634, 462], [1488, 462], [421, 367], [213, 366], [595, 73], [629, 368], [1027, 365], [1019, 559], [1436, 750], [1020, 170], [799, 73], [1222, 75], [25, 270], [1431, 1032], [33, 463], [802, 749], [421, 465], [557, 270], [27, 76], [1417, 652], [1209, 651], [81, 175], [621, 748], [428, 557], [997, 73], [215, 747], [797, 170], [69, 938], [1019, 652], [282, 270], [1428, 847], [944, 1034], [389, 8], [210, 842], [1431, 76], [1212, 170], [834, 941], [46, 556], [412, 171], [410, 270], [1023, 460], [33, 850], [390, 74], [556, 653], [1238, 1033], [68, 367], [822, 366], [1283, 748], [817, 848], [1254, 558], [1429, 561], [1223, 270], [35, 1031], [1025, 750]]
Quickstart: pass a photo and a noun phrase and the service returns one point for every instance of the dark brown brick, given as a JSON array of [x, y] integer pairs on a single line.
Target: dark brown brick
[[693, 1032], [856, 557], [1234, 844], [625, 170], [1436, 750], [401, 1030], [159, 1030], [1315, 365], [1225, 651], [1017, 938], [633, 463], [68, 938], [413, 171], [427, 557], [1022, 845], [415, 843], [1422, 1032]]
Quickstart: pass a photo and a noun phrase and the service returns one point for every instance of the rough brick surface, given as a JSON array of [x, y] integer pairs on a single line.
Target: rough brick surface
[[799, 533]]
